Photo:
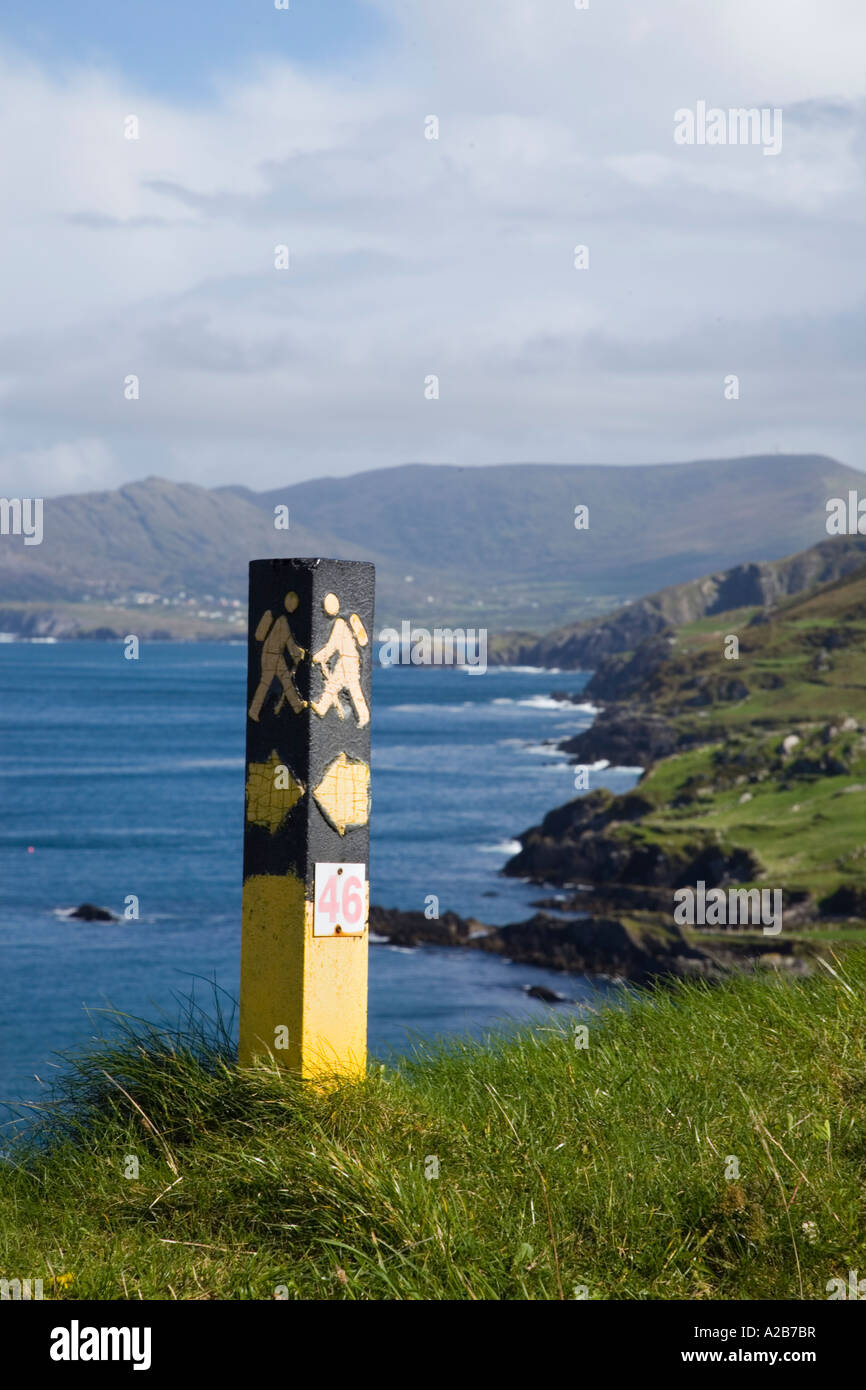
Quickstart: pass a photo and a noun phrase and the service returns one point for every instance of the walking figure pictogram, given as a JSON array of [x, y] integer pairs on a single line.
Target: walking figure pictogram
[[277, 639], [345, 674]]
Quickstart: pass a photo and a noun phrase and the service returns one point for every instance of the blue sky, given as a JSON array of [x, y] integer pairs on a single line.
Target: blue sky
[[174, 47]]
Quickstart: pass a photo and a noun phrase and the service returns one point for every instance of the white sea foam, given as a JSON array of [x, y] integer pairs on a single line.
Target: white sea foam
[[208, 762], [433, 709], [505, 847], [68, 914], [541, 702]]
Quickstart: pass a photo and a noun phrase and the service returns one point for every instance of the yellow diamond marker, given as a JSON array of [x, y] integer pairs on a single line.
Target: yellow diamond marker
[[344, 793], [271, 794]]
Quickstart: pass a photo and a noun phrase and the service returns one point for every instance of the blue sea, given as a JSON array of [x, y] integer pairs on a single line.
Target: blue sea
[[127, 777]]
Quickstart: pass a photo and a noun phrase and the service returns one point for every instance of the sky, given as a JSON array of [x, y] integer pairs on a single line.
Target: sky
[[412, 259]]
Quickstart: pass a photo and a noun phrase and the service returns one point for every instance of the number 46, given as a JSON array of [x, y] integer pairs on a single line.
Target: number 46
[[339, 900]]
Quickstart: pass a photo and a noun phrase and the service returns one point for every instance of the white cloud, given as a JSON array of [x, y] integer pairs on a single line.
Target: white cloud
[[79, 465], [452, 257]]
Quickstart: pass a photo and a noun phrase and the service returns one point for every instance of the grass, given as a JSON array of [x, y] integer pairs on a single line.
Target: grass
[[609, 1167], [805, 834]]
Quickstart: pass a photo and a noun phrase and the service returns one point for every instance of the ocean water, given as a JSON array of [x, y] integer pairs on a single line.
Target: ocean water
[[121, 777]]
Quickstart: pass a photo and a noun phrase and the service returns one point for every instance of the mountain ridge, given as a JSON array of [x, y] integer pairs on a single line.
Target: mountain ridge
[[493, 545], [648, 621]]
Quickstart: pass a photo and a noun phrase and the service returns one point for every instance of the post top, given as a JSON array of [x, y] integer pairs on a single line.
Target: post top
[[308, 562]]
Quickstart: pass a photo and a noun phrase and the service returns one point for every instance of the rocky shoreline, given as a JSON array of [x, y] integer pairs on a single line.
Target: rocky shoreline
[[605, 946]]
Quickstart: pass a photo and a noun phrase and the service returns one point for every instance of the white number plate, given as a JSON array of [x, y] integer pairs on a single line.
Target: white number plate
[[340, 900]]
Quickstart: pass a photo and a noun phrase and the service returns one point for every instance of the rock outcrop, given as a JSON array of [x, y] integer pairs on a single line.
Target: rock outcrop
[[585, 945], [89, 912], [625, 738]]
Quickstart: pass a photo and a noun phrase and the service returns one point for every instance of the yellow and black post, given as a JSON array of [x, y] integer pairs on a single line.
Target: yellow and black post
[[306, 838]]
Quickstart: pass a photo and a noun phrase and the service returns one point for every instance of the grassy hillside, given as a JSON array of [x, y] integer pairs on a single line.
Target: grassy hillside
[[734, 790], [803, 675], [705, 1143]]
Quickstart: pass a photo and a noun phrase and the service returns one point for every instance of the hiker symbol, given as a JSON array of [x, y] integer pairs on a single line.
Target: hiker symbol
[[344, 676], [278, 641]]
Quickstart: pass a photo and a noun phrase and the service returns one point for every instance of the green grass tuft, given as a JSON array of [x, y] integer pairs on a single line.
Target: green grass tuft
[[559, 1166]]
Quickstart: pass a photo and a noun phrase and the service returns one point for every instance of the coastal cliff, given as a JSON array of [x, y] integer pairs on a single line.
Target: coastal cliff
[[750, 730]]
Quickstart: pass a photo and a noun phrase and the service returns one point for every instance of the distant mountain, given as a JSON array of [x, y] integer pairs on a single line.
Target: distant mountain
[[154, 535], [493, 546]]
